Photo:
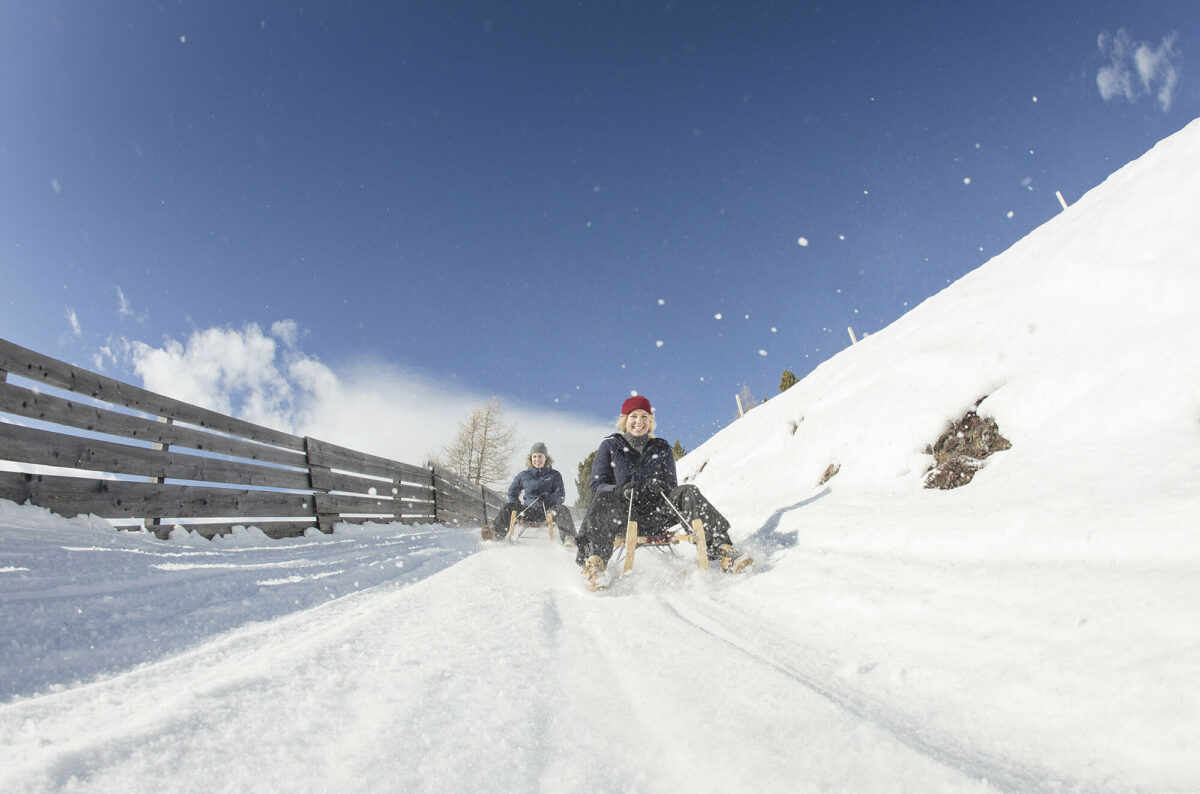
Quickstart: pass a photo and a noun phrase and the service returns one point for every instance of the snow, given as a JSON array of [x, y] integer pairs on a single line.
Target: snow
[[1035, 630]]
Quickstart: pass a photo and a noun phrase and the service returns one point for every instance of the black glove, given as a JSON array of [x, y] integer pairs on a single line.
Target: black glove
[[626, 491]]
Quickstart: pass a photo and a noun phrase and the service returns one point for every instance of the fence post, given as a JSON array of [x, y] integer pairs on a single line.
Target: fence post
[[433, 485], [325, 521], [156, 521]]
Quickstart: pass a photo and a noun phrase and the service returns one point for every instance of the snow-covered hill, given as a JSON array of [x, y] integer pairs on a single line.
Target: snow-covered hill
[[1081, 339], [1035, 630]]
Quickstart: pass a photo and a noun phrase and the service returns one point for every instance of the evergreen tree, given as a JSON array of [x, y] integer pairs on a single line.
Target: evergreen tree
[[788, 380], [678, 451], [583, 481]]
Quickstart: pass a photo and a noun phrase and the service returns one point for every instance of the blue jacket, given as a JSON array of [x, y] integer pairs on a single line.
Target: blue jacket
[[617, 463], [544, 483]]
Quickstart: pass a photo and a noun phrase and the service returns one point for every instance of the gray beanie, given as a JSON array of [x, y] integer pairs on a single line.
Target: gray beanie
[[538, 449]]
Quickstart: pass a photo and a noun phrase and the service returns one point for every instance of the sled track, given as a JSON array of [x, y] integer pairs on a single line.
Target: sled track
[[1004, 774]]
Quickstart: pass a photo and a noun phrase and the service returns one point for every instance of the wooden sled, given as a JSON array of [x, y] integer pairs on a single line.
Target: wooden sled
[[663, 541], [514, 524]]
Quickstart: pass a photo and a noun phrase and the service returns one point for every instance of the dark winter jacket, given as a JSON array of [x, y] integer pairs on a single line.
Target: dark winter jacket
[[617, 463], [544, 483]]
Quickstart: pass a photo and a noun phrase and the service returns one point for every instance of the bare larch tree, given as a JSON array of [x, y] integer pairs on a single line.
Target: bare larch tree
[[481, 450]]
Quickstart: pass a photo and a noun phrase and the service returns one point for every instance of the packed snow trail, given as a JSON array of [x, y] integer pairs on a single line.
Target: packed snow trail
[[82, 599], [499, 673], [799, 663], [418, 658]]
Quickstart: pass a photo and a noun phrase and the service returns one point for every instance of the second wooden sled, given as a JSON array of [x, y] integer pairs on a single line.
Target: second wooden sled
[[513, 524]]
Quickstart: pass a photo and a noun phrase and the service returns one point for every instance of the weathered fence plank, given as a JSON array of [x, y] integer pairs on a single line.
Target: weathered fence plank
[[83, 416], [326, 480], [350, 503], [71, 496], [43, 369], [283, 484], [322, 453], [27, 445], [461, 502]]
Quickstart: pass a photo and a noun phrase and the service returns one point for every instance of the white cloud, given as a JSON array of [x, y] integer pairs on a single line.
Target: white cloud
[[367, 405], [115, 349], [73, 321], [286, 331], [1136, 69], [123, 309], [1159, 68], [230, 371]]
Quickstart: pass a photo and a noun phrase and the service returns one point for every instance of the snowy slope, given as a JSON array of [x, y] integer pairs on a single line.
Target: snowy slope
[[1036, 630], [1081, 336]]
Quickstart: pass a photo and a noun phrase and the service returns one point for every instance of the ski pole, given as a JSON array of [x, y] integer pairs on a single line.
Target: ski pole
[[631, 532], [674, 509]]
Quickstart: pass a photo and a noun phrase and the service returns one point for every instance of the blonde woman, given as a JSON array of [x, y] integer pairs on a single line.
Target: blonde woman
[[633, 465]]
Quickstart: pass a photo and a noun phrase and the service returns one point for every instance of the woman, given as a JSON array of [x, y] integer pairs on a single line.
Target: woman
[[632, 464], [538, 488]]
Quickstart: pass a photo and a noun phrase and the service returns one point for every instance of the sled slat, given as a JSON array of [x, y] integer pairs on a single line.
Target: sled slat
[[631, 544]]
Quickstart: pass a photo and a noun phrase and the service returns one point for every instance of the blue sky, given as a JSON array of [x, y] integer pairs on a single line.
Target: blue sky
[[557, 203]]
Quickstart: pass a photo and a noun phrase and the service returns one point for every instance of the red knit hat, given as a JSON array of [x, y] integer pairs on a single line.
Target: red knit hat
[[634, 403]]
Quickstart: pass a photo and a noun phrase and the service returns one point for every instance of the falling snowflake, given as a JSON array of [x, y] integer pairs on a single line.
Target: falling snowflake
[[802, 242]]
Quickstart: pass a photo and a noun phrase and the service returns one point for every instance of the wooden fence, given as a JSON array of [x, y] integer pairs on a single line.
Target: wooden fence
[[171, 463]]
